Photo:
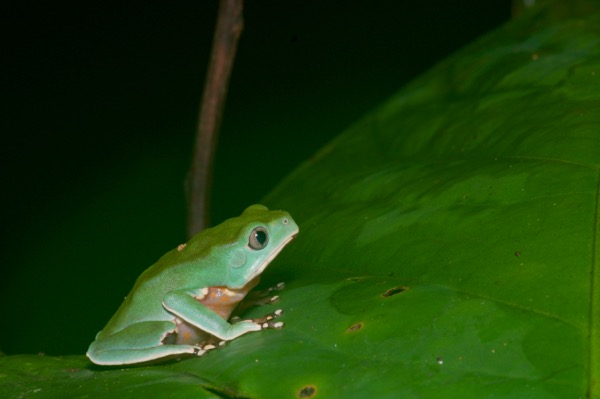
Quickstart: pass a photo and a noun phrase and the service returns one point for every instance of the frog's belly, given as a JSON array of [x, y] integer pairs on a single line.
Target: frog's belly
[[188, 334], [222, 301]]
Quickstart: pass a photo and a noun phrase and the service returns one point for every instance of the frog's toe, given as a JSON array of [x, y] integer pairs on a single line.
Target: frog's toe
[[198, 351], [278, 287], [274, 325], [202, 349]]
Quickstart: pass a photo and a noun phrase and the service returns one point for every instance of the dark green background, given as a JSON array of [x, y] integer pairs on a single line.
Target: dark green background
[[99, 108]]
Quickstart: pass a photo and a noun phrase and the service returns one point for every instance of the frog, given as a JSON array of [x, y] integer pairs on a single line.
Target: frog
[[181, 305]]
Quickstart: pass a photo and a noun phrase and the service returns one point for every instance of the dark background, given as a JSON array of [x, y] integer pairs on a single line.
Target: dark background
[[99, 106]]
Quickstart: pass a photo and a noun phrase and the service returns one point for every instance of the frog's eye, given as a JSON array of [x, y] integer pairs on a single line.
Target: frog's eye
[[258, 238]]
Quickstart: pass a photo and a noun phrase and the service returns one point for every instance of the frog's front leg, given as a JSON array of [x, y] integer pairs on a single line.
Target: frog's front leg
[[186, 306]]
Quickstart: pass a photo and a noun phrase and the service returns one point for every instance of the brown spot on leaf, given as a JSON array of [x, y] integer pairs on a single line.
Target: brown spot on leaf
[[354, 327], [394, 291], [307, 392]]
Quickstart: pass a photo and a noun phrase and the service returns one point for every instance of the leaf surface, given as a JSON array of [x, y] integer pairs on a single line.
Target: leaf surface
[[448, 245]]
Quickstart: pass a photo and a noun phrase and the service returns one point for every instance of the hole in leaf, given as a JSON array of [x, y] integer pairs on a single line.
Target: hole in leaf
[[394, 291], [307, 392], [354, 327]]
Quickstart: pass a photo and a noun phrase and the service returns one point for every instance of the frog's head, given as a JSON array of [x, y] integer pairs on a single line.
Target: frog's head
[[262, 234]]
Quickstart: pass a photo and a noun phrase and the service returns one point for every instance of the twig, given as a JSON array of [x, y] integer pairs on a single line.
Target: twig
[[227, 32]]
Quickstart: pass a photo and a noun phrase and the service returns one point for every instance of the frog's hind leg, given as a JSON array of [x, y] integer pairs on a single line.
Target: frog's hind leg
[[139, 343], [117, 357]]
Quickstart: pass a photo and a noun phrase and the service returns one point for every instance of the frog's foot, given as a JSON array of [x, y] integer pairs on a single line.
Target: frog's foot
[[198, 351], [202, 349], [274, 298], [258, 298], [270, 300], [272, 324], [266, 321], [262, 297], [280, 286]]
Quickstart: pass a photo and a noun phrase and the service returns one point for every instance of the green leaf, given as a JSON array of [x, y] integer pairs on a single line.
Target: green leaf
[[28, 376], [448, 245]]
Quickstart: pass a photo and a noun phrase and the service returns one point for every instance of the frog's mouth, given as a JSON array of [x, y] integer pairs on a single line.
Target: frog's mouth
[[272, 256]]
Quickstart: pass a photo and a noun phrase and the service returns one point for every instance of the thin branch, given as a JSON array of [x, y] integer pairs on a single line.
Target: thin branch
[[227, 32]]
